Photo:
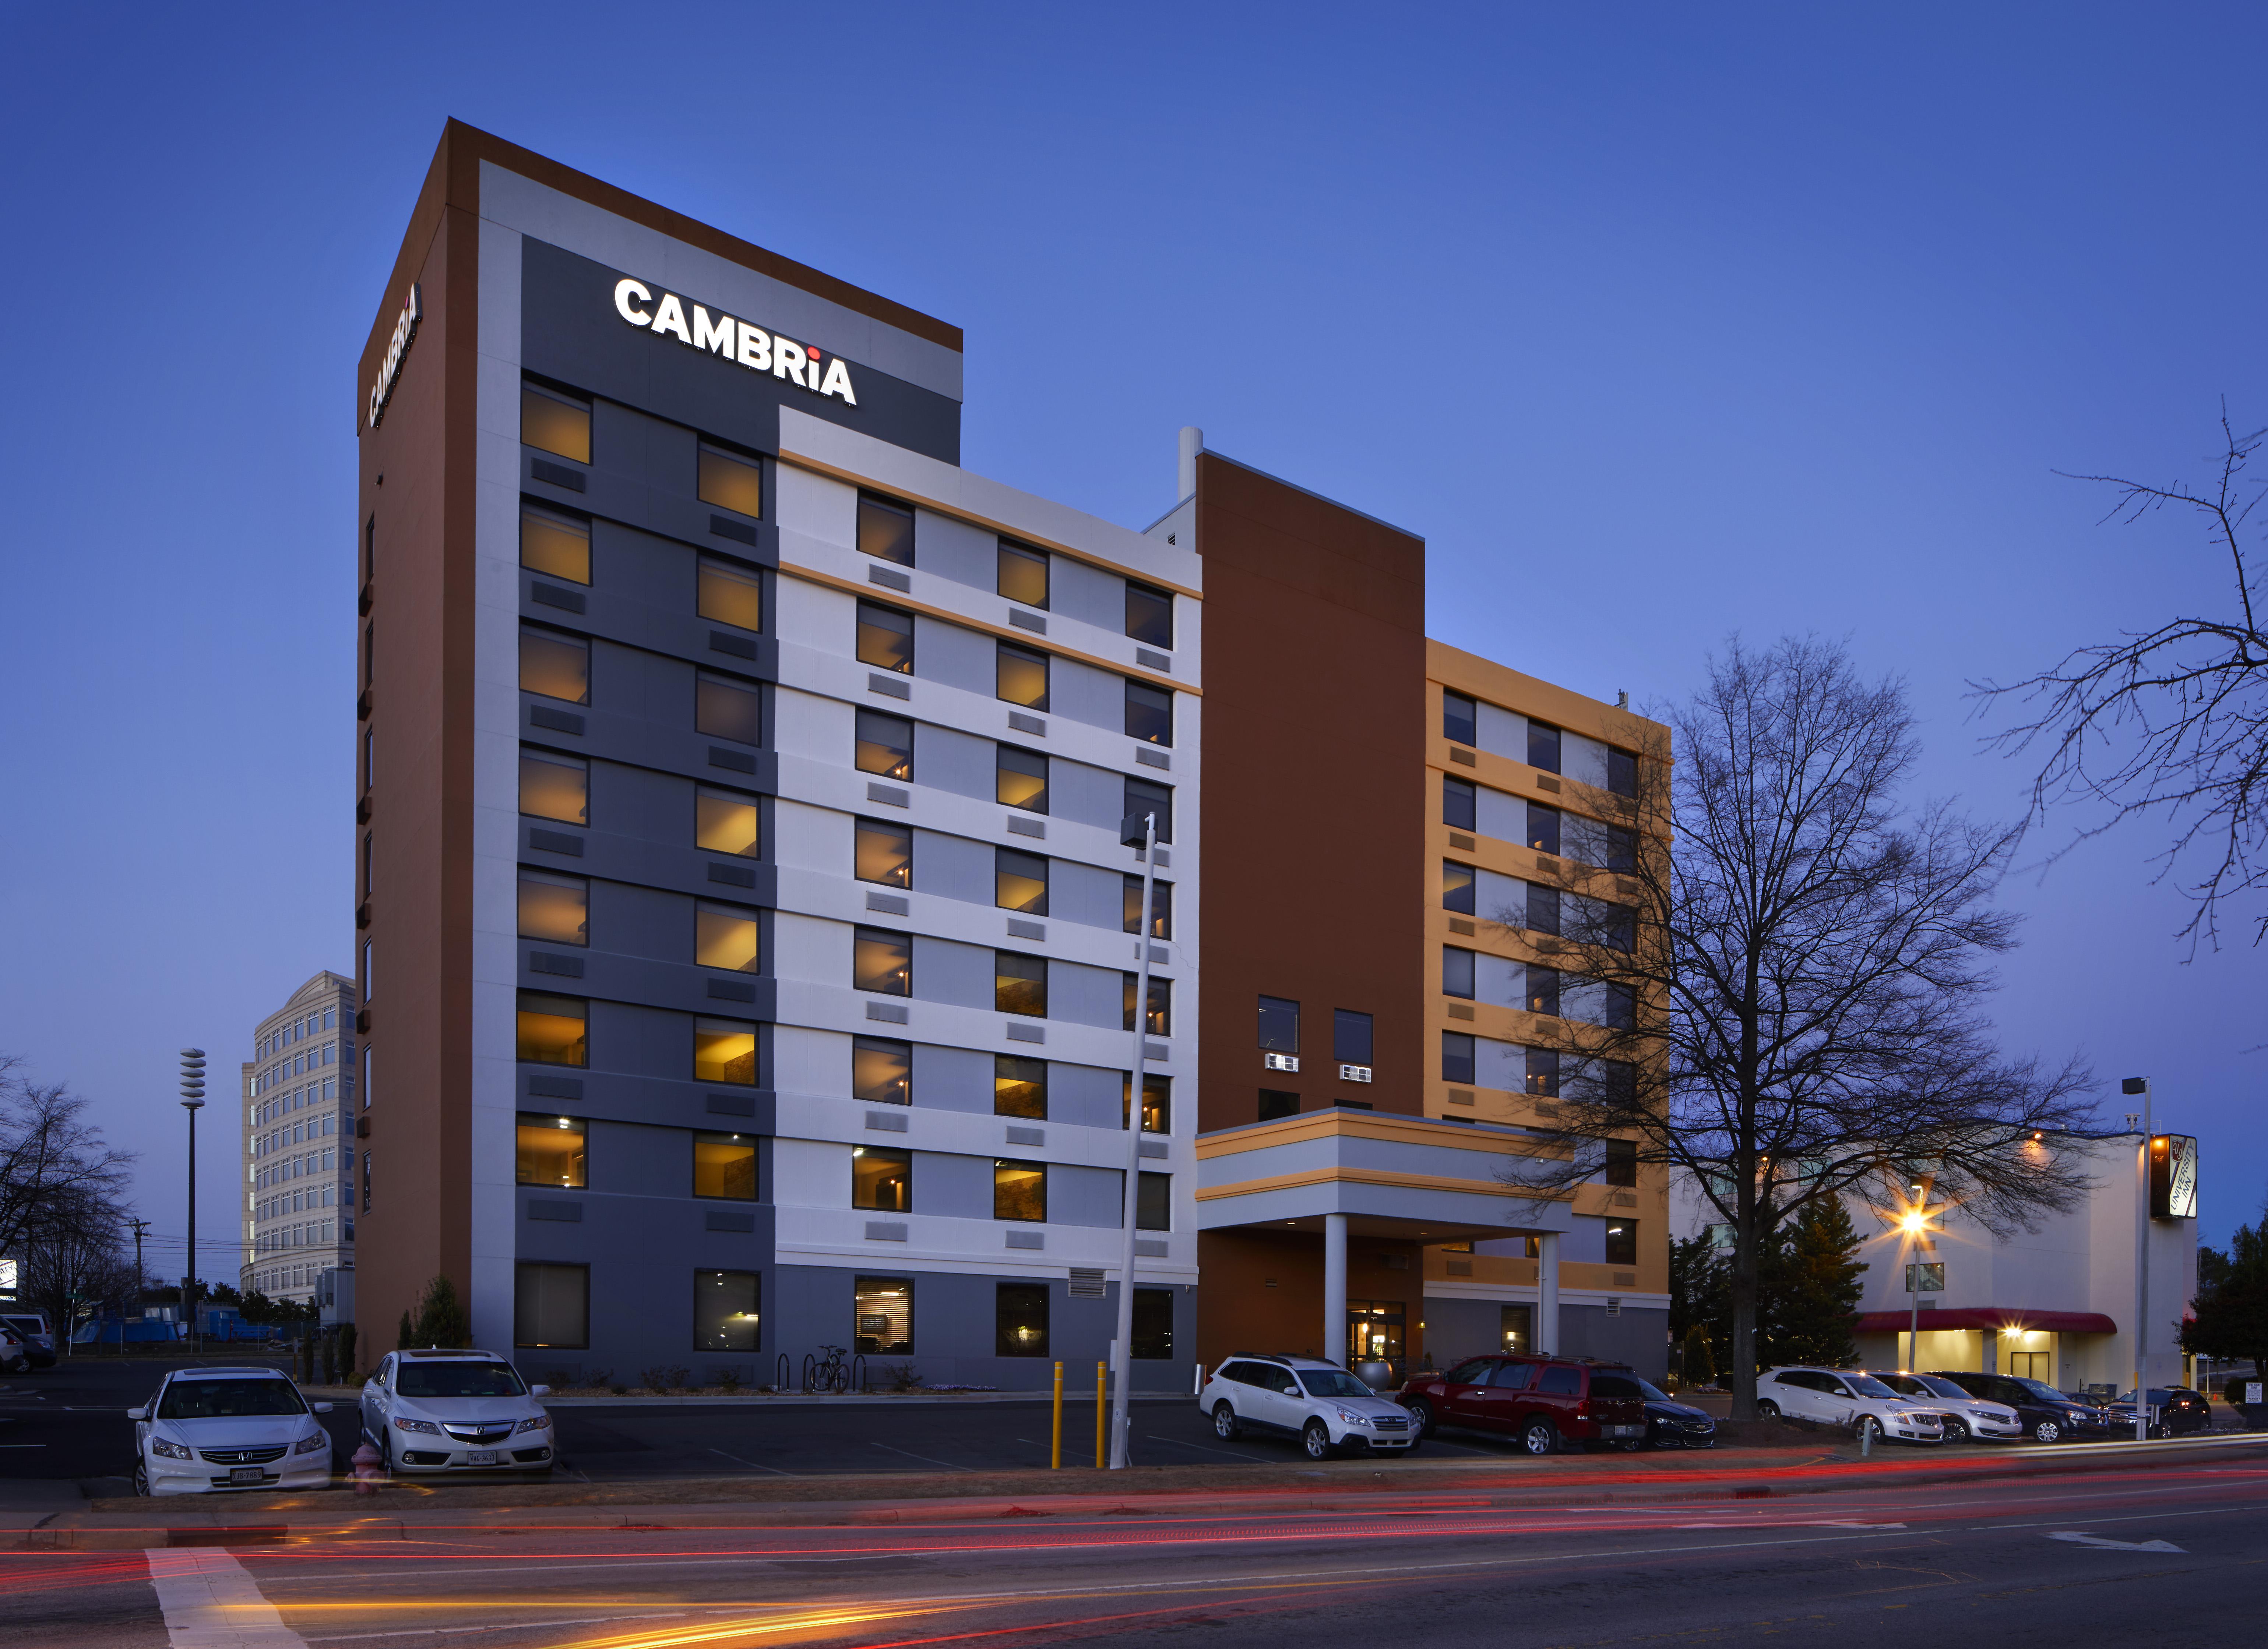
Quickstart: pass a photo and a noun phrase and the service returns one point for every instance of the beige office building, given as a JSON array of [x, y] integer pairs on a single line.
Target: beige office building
[[299, 1142]]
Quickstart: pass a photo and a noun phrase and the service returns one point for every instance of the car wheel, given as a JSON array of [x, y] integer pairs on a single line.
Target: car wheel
[[1870, 1429], [1315, 1437], [1767, 1410], [141, 1479], [1421, 1418], [2046, 1432], [1957, 1431], [1226, 1425], [1540, 1436]]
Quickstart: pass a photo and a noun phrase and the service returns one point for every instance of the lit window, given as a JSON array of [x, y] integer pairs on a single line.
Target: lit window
[[553, 1030], [1020, 1087], [881, 1070], [725, 936], [1021, 676], [554, 422], [1019, 984], [1023, 574], [883, 853], [554, 787], [730, 481], [1158, 1020], [885, 744], [731, 595], [723, 1050], [728, 709], [553, 543], [724, 1164], [1020, 881], [555, 665], [725, 823], [1157, 1101], [1019, 1190], [886, 637], [725, 1311], [1542, 827], [882, 1180], [1149, 615], [1542, 1072], [1621, 1242], [885, 1310], [882, 962], [555, 908], [553, 1151], [1020, 1319], [1161, 906], [1542, 991], [1023, 778]]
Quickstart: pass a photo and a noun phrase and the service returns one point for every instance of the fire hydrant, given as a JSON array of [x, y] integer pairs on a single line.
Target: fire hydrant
[[369, 1472]]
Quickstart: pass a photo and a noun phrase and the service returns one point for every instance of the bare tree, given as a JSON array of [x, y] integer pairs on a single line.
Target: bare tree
[[74, 1263], [2173, 719], [1782, 999], [52, 1159]]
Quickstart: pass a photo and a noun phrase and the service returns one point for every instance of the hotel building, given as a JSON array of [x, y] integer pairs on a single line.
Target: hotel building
[[298, 1143], [739, 846]]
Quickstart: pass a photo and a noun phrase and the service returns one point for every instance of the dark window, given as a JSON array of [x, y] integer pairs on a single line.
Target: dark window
[[1618, 928], [1153, 1203], [1019, 984], [1470, 1372], [885, 744], [1619, 1007], [884, 1308], [1620, 847], [1020, 1319], [1350, 1037], [882, 962], [880, 1179], [553, 1030], [728, 709], [555, 665], [1022, 776], [1021, 676], [1144, 796], [1020, 1087], [553, 1151], [1456, 1056], [551, 1304], [554, 544], [1622, 772], [1460, 804], [1459, 719], [1543, 746], [1457, 890], [554, 423], [1618, 1082], [730, 481], [1023, 574], [886, 637], [1543, 909], [1275, 1103], [1621, 1242], [1157, 1101], [1161, 908], [554, 786], [1456, 972], [1543, 1072], [1153, 1325], [731, 595], [883, 853], [724, 1166], [1020, 881], [886, 530], [1279, 1025], [1542, 827], [1159, 1021], [1148, 713], [1542, 991], [1149, 615], [881, 1070], [724, 1311], [1621, 1165], [1019, 1190], [1559, 1381]]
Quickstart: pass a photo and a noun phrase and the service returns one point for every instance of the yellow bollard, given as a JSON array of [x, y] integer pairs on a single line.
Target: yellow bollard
[[1055, 1453], [1101, 1412]]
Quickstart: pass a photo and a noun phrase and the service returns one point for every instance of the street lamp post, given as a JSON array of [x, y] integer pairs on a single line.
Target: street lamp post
[[1134, 830], [2142, 1085], [193, 1101]]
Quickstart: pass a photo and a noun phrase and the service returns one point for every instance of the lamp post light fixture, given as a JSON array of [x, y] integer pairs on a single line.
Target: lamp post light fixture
[[1136, 831], [1915, 1229], [193, 1101]]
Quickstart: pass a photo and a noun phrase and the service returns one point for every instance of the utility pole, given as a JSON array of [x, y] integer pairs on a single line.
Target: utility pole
[[141, 1227], [193, 1101], [2142, 1085], [1134, 830]]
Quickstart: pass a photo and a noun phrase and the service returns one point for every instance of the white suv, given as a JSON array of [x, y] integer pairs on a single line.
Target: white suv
[[1845, 1397], [211, 1430], [1322, 1405], [455, 1411]]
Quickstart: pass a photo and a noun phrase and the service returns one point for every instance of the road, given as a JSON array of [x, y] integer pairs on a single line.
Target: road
[[2128, 1554]]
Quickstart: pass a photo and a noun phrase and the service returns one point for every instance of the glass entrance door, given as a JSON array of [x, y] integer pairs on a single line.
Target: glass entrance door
[[1374, 1333], [2030, 1364]]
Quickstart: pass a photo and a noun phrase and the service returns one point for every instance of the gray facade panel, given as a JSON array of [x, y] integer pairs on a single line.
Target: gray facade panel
[[1086, 1096], [1087, 593], [1084, 694], [1080, 995], [952, 1079], [947, 1184], [1087, 795], [954, 549], [1081, 1196], [945, 971], [952, 867], [954, 655], [1087, 894], [955, 761]]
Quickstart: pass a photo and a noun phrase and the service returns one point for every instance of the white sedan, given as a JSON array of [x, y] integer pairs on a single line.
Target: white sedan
[[456, 1411], [1966, 1415], [212, 1429]]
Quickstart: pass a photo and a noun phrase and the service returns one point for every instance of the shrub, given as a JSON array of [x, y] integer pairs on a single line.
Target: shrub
[[902, 1376]]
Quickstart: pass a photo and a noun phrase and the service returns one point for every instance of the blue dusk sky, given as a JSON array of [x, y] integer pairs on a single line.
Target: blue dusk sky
[[1656, 322]]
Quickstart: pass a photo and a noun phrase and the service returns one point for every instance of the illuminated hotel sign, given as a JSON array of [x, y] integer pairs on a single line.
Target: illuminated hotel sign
[[2172, 1177], [396, 350], [722, 336]]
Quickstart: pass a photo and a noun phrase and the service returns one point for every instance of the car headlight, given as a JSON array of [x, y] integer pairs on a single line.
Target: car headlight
[[309, 1445], [1352, 1418], [537, 1422], [402, 1423], [164, 1450]]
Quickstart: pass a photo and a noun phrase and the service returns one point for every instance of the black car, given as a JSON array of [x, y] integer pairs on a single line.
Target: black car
[[2048, 1414], [2181, 1411], [1669, 1424]]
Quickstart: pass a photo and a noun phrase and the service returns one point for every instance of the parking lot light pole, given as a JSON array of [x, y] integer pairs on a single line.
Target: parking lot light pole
[[2142, 1085], [193, 1101], [1134, 830]]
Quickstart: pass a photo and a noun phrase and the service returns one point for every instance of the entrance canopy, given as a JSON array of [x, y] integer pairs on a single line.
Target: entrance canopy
[[1988, 1317]]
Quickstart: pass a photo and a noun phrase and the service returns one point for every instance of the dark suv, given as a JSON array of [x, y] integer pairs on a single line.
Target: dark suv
[[1538, 1400], [2048, 1414]]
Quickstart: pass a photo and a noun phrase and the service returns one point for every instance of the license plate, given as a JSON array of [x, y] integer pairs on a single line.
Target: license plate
[[480, 1457], [1626, 1431], [246, 1474]]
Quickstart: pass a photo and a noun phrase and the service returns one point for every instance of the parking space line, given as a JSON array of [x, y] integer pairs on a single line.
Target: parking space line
[[924, 1459], [752, 1465], [1230, 1453]]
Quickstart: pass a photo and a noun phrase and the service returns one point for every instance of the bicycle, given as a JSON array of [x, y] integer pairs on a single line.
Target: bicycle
[[832, 1374]]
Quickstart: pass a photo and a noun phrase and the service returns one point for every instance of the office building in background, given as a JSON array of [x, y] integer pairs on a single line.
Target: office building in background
[[298, 1143]]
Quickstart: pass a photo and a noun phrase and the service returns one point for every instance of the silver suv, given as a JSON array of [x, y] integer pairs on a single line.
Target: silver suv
[[1322, 1405]]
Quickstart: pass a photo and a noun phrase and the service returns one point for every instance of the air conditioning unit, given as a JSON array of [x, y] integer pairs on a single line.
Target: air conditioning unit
[[1614, 1305], [1280, 1062], [1354, 1073], [1086, 1283]]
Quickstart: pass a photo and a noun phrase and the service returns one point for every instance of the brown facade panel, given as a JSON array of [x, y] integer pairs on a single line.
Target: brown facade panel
[[1262, 1292]]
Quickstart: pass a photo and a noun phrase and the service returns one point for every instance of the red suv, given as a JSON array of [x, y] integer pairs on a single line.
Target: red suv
[[1538, 1400]]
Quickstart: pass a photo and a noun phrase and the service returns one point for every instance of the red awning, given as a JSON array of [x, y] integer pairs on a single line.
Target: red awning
[[1988, 1317]]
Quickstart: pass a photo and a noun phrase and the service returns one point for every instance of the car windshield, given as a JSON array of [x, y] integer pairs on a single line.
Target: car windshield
[[1330, 1383], [2041, 1388], [228, 1399], [1867, 1386], [1939, 1386], [463, 1379], [1615, 1385], [1647, 1391]]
